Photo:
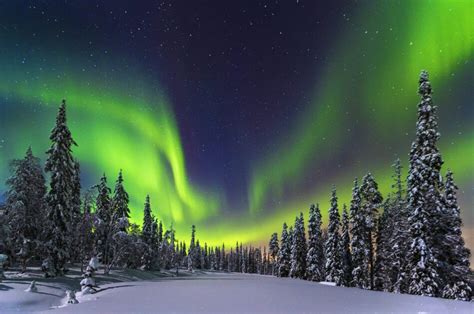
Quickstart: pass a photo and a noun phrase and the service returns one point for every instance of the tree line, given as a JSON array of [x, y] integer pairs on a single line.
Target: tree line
[[413, 246], [409, 242]]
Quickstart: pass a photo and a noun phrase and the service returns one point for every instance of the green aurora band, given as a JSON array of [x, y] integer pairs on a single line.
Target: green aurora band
[[376, 63]]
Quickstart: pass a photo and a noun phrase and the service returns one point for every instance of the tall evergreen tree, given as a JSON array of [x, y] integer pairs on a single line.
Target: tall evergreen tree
[[147, 227], [61, 165], [371, 200], [399, 233], [148, 235], [298, 250], [345, 251], [457, 255], [120, 199], [192, 248], [424, 198], [315, 256], [76, 216], [359, 244], [333, 260], [284, 253], [273, 250], [103, 221], [85, 230], [160, 231], [381, 267], [25, 205]]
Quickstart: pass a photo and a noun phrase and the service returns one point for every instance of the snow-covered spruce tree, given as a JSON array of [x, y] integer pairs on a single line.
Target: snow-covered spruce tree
[[160, 232], [333, 260], [192, 248], [147, 221], [166, 250], [206, 256], [198, 256], [61, 165], [399, 234], [371, 200], [161, 252], [381, 266], [245, 260], [298, 250], [273, 250], [222, 259], [457, 255], [237, 258], [230, 264], [258, 261], [359, 244], [85, 234], [76, 215], [213, 259], [103, 221], [345, 251], [424, 198], [147, 234], [4, 236], [24, 206], [315, 256], [284, 253], [120, 200], [265, 264]]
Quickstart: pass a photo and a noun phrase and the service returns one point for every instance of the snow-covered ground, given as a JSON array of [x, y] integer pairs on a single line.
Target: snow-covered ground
[[143, 292]]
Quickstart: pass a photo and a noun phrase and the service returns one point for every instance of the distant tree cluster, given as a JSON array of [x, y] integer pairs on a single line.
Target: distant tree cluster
[[411, 242], [414, 246]]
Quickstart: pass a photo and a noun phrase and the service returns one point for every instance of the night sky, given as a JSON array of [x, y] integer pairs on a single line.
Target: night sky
[[236, 115]]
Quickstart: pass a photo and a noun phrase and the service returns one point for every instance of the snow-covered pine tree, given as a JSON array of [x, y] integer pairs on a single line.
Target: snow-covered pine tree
[[265, 266], [456, 253], [345, 250], [103, 221], [76, 215], [230, 260], [86, 236], [147, 221], [4, 237], [198, 255], [61, 165], [399, 233], [147, 234], [359, 244], [273, 250], [160, 231], [333, 260], [120, 200], [284, 253], [298, 250], [161, 252], [237, 258], [384, 232], [371, 200], [258, 261], [245, 262], [24, 206], [192, 248], [315, 256], [424, 198], [206, 256], [222, 259]]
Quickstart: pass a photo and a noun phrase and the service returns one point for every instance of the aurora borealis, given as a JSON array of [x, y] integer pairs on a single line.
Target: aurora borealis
[[236, 117]]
